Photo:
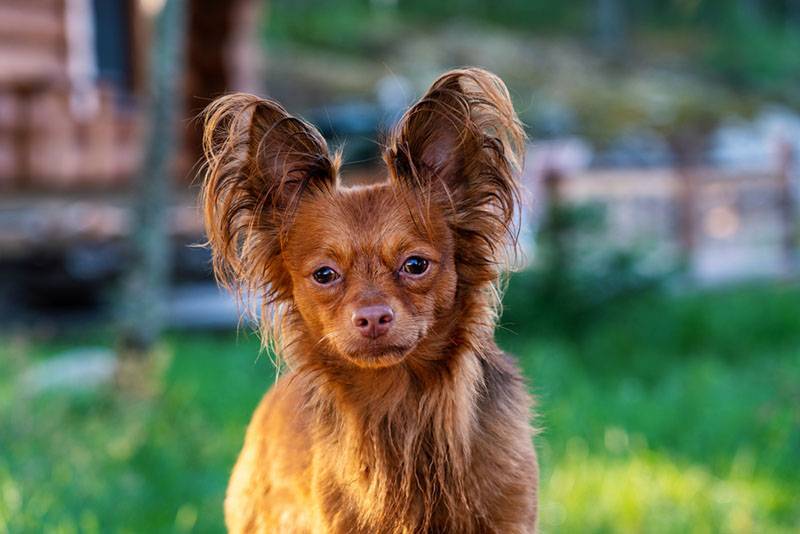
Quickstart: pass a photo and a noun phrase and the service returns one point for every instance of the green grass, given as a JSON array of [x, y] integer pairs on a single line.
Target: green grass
[[102, 462], [663, 414]]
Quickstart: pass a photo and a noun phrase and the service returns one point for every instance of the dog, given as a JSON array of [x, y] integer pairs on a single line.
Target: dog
[[398, 413]]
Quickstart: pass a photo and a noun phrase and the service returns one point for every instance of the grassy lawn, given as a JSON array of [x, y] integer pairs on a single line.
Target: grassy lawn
[[663, 414]]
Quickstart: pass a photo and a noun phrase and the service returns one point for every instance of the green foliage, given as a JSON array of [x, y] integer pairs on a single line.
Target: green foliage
[[751, 43], [360, 26], [103, 462], [541, 16], [762, 56], [577, 276], [668, 414]]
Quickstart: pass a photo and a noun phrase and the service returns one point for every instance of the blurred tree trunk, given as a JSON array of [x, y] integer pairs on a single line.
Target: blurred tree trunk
[[210, 25], [143, 301], [222, 56], [609, 22]]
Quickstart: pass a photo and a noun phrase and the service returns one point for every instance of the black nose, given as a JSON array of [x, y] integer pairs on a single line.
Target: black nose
[[373, 321]]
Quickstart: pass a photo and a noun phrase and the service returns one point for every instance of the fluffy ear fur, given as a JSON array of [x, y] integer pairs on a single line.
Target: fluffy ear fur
[[461, 146], [260, 161]]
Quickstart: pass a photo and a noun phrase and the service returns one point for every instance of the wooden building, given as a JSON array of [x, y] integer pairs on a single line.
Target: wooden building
[[73, 78]]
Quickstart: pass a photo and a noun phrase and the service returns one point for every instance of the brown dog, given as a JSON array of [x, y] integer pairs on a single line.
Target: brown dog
[[398, 412]]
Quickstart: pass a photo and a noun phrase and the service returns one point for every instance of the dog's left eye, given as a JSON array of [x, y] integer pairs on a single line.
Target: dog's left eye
[[415, 265]]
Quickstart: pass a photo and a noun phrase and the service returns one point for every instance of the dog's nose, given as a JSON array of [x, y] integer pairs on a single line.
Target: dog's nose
[[373, 321]]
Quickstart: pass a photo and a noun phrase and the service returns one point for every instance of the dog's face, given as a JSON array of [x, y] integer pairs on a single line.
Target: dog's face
[[365, 278], [372, 272]]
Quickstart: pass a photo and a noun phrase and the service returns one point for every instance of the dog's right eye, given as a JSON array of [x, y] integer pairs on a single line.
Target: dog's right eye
[[325, 275]]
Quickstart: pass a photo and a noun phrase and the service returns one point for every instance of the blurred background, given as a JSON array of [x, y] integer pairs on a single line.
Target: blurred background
[[657, 320]]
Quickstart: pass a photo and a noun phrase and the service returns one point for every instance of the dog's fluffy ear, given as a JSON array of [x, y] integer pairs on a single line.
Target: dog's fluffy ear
[[260, 162], [462, 146]]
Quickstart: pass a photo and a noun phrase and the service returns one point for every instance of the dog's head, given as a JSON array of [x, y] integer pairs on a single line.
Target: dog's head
[[368, 272]]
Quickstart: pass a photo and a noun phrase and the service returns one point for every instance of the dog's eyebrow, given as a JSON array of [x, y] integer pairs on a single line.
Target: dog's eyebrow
[[325, 251], [408, 245]]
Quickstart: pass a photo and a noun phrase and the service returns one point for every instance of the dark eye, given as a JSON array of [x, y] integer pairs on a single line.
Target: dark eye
[[325, 275], [415, 265]]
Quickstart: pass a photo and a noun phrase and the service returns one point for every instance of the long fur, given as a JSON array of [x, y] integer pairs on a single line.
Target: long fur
[[463, 145], [439, 442], [259, 161]]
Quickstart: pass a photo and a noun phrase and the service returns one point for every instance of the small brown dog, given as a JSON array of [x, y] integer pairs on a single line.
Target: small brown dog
[[398, 413]]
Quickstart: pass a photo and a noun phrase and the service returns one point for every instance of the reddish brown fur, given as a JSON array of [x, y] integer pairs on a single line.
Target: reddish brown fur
[[424, 429]]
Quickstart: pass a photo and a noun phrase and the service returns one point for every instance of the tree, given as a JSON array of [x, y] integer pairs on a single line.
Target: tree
[[146, 284]]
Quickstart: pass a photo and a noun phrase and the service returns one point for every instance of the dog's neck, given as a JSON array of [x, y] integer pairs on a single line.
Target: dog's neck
[[407, 431], [407, 439]]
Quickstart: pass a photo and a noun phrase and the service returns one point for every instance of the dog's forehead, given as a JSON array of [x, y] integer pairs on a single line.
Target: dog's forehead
[[371, 208], [357, 217]]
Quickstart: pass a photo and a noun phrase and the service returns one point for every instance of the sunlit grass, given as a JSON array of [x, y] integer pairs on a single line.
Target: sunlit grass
[[648, 492]]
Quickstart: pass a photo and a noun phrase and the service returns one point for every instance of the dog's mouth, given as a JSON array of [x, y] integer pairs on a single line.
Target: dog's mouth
[[375, 355], [383, 351]]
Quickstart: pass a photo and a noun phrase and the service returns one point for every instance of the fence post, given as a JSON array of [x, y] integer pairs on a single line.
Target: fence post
[[787, 204], [687, 191], [687, 150]]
